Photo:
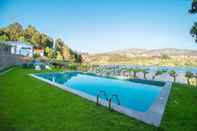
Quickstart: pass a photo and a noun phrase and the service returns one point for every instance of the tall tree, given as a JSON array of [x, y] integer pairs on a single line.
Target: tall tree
[[14, 31], [173, 74], [65, 51], [193, 10], [46, 41], [145, 72], [29, 32], [135, 71], [158, 73], [59, 43], [36, 39]]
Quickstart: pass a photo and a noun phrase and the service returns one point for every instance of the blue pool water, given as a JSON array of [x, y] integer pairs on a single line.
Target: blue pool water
[[132, 95]]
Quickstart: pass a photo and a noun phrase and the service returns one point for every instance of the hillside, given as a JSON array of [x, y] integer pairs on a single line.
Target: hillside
[[162, 57], [53, 48]]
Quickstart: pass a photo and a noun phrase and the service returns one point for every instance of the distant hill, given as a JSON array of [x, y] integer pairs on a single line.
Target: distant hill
[[144, 57], [152, 52]]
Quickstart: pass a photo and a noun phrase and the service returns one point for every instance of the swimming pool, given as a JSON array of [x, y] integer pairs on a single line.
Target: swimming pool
[[130, 97]]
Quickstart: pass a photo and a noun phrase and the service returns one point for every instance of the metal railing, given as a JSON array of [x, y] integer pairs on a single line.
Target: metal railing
[[115, 96], [100, 93], [110, 100]]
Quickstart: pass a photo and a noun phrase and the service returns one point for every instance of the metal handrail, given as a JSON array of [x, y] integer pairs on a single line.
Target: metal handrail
[[99, 93], [110, 100]]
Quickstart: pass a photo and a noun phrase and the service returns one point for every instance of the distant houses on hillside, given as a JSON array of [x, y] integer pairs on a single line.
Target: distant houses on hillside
[[24, 49], [21, 48]]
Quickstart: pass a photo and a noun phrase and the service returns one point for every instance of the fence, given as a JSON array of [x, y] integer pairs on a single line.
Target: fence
[[6, 58]]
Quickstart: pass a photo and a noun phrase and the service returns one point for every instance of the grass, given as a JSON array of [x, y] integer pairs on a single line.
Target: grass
[[27, 104]]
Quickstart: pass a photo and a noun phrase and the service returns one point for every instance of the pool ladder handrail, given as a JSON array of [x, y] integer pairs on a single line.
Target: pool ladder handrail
[[110, 100], [99, 93]]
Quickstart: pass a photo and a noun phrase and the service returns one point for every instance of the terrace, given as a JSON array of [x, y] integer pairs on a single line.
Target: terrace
[[29, 104]]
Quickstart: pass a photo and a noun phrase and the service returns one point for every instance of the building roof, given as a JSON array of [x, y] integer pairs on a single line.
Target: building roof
[[18, 43], [39, 48]]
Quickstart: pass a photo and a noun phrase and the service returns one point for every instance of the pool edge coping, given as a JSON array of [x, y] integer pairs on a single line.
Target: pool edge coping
[[152, 116]]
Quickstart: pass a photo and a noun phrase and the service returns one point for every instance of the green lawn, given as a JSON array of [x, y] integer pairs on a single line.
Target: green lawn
[[27, 104]]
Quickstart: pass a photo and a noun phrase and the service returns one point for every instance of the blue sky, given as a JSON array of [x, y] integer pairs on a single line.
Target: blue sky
[[105, 25]]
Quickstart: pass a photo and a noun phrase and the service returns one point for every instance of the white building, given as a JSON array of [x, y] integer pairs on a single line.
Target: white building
[[21, 48]]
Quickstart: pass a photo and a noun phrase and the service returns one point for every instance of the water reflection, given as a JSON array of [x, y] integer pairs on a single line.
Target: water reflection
[[60, 78]]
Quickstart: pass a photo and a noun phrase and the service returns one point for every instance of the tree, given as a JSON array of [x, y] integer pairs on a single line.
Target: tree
[[75, 57], [2, 31], [195, 76], [66, 52], [193, 10], [59, 43], [130, 70], [4, 38], [159, 72], [29, 32], [193, 31], [22, 39], [14, 31], [78, 58], [48, 52], [3, 35], [145, 72], [46, 41], [59, 56], [135, 71], [173, 74], [63, 49], [41, 40], [188, 75], [36, 39], [165, 57], [35, 56]]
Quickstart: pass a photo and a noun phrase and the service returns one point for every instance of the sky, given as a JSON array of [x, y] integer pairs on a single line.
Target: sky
[[96, 26]]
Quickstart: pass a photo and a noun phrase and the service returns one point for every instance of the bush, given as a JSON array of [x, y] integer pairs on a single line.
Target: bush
[[72, 66], [36, 55]]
